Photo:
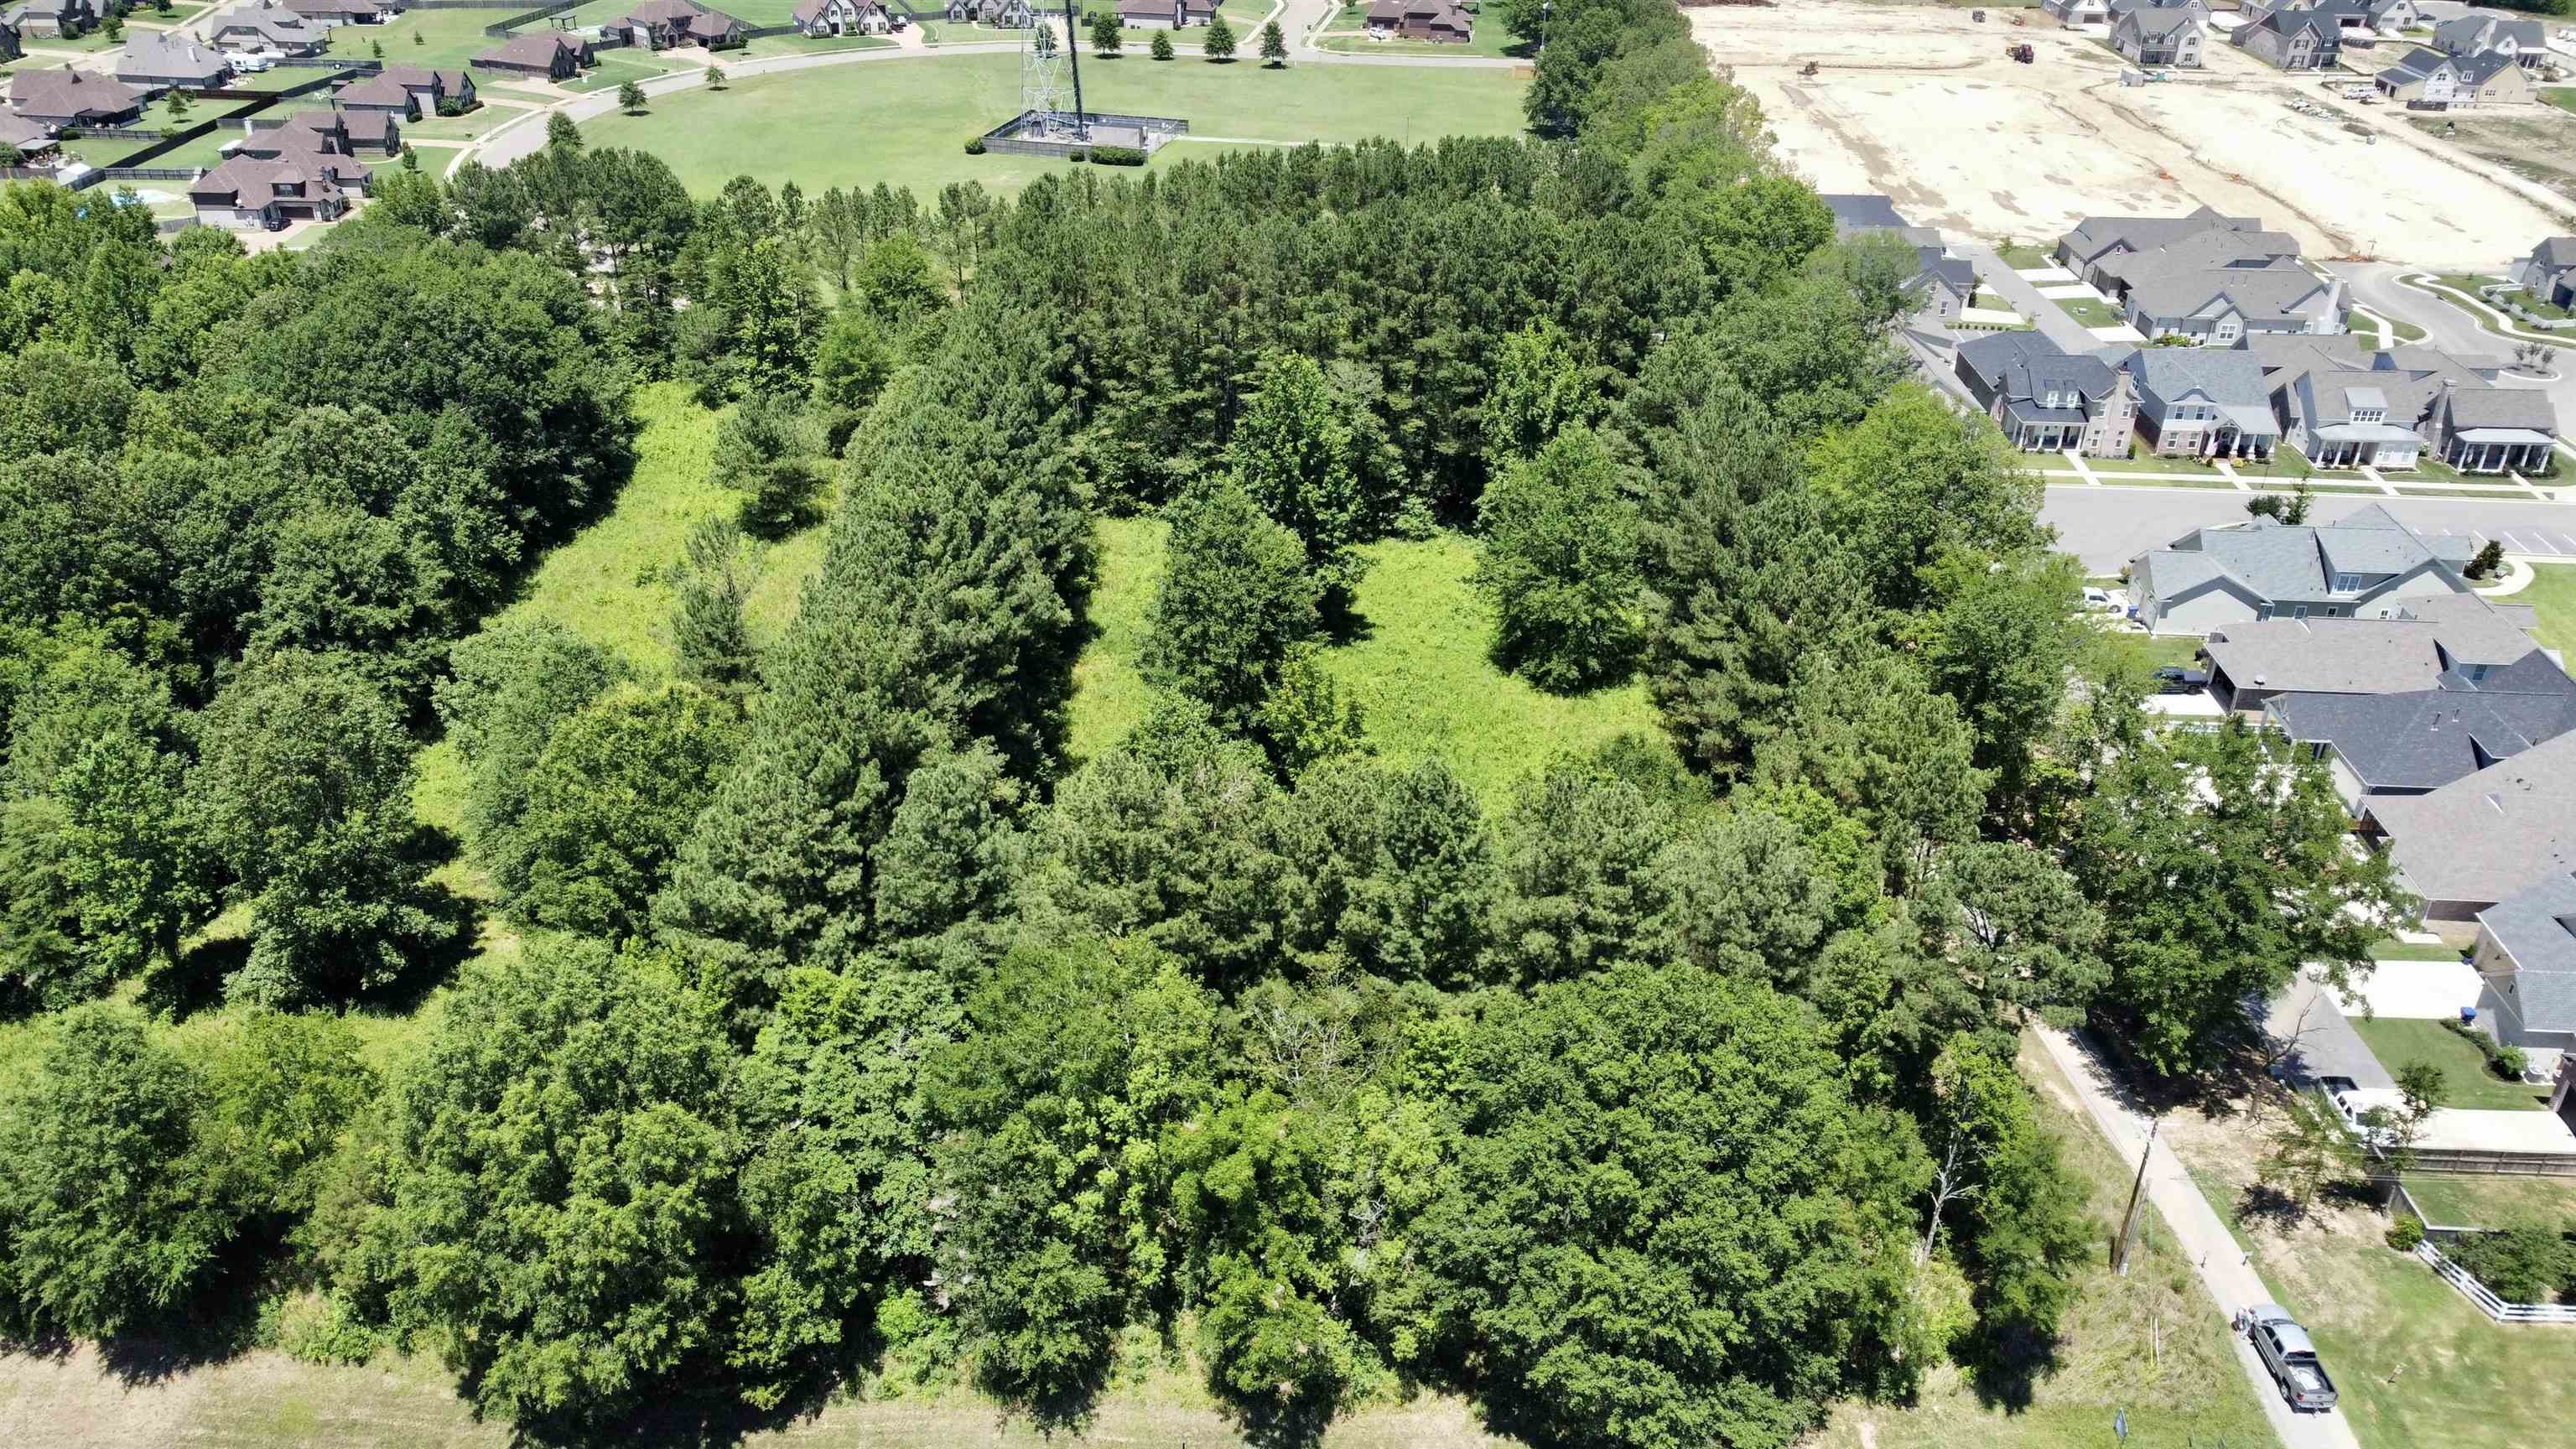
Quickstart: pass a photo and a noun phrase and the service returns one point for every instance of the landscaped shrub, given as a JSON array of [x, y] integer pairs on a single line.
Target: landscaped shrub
[[2520, 1265], [974, 145], [2405, 1233], [1117, 156], [2508, 1062], [1075, 155]]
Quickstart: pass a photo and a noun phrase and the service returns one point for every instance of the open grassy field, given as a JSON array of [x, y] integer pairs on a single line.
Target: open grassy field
[[1417, 666], [1348, 31], [2466, 1080], [445, 38], [2494, 1202], [907, 123], [2552, 596]]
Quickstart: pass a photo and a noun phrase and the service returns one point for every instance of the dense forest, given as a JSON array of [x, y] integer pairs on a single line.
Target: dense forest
[[856, 1027]]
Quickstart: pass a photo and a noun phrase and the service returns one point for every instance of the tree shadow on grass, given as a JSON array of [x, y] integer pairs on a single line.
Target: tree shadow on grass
[[2004, 1371]]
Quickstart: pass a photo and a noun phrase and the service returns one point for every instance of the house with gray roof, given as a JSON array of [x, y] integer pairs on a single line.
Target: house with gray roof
[[2524, 42], [266, 25], [2491, 78], [2364, 565], [2549, 273], [2346, 408], [544, 54], [154, 61], [2422, 75], [2526, 961], [2484, 838], [52, 19], [2046, 399], [12, 45], [1944, 282], [2218, 285], [2153, 33], [2302, 37], [2455, 643], [2382, 745], [2202, 402], [2096, 239]]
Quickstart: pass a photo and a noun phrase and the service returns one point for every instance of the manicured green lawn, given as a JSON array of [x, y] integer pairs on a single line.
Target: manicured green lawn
[[2089, 311], [2148, 651], [2148, 463], [2552, 596], [2535, 305], [2023, 257], [446, 38], [2466, 1081], [1417, 667], [2563, 97], [907, 124], [2393, 949], [2487, 1201], [1488, 36], [616, 67]]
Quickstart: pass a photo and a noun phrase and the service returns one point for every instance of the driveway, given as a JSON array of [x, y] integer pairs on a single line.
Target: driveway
[[2324, 1044], [2052, 321], [2413, 990]]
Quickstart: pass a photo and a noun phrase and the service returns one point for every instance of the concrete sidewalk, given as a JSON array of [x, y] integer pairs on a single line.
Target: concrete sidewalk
[[2203, 1238]]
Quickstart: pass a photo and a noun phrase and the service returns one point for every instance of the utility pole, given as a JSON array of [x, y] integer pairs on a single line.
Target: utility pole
[[2137, 1195], [1073, 55]]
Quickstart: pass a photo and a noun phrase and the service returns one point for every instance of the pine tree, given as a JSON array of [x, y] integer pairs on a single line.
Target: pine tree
[[1161, 48], [1236, 597], [630, 98], [1274, 45], [1219, 45], [708, 632]]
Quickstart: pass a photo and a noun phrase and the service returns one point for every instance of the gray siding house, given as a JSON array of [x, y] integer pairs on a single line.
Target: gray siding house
[[2196, 402], [2549, 273], [1943, 282], [2156, 34], [2485, 838], [2526, 960], [2302, 39], [2046, 399], [2526, 42], [2363, 566]]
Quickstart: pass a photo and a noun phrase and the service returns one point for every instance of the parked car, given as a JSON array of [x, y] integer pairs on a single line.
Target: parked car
[[2285, 1349], [2174, 679]]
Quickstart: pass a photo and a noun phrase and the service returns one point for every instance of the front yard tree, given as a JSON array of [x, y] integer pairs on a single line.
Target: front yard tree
[[2222, 862], [1559, 564], [630, 98], [561, 133], [2490, 560], [1219, 44], [1104, 32], [1161, 49], [1274, 45]]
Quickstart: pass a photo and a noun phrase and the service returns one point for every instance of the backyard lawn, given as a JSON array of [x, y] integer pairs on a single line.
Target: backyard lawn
[[1417, 668], [2494, 1202], [1488, 36], [2148, 651], [2466, 1079], [444, 38], [2089, 311], [2022, 257], [907, 124], [2552, 596]]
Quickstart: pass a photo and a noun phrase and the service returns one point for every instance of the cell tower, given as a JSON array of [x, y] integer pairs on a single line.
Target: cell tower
[[1044, 96]]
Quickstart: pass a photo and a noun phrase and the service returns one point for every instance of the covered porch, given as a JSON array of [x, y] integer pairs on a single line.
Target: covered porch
[[2366, 445], [2494, 450]]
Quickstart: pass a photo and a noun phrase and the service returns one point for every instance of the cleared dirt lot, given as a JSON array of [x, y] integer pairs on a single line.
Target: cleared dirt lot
[[1920, 102]]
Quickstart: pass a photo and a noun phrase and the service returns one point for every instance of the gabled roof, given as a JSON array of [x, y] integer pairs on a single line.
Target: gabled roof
[[2491, 835], [375, 90], [2272, 560], [2537, 927], [2159, 19], [2095, 235], [2257, 292], [2225, 375], [2556, 251], [534, 47], [2416, 65], [2424, 739], [253, 181], [2486, 65], [2479, 406], [2024, 365], [168, 53], [1862, 211], [24, 134]]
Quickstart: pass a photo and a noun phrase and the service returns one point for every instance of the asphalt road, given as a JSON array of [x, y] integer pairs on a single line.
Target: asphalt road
[[2107, 527]]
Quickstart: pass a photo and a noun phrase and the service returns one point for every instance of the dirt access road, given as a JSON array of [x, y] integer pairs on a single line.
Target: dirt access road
[[1921, 103]]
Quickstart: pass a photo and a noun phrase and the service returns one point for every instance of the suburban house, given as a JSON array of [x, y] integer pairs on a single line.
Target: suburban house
[[547, 54], [2047, 399], [2307, 38], [2526, 960], [2202, 402], [2525, 41], [265, 25], [378, 95], [154, 61], [2485, 838], [816, 18], [327, 13], [62, 98], [1004, 14], [2151, 33], [25, 137], [315, 152], [1149, 14], [332, 133], [2457, 643], [247, 191], [2076, 14], [2394, 17], [2349, 409], [436, 92], [2488, 78], [2384, 745], [11, 47], [1434, 20], [2420, 76], [2098, 241], [51, 19], [2363, 566], [1946, 282], [2549, 273], [2214, 280], [661, 24]]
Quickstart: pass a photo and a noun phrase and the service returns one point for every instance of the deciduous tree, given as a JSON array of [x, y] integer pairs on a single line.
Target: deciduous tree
[[1559, 565]]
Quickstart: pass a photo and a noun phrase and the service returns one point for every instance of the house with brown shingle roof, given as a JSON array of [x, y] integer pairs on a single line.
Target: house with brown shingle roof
[[266, 25], [68, 97], [378, 95], [52, 19], [158, 60], [247, 191], [661, 24], [1440, 21], [437, 92], [545, 54], [24, 137]]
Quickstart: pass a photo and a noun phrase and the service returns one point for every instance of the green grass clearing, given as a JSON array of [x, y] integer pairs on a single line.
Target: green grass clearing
[[2148, 463], [1418, 667], [2487, 1201], [1347, 32], [2022, 257], [907, 124], [446, 38], [2466, 1080], [2393, 949], [2552, 597], [2535, 305], [2150, 651], [2089, 311]]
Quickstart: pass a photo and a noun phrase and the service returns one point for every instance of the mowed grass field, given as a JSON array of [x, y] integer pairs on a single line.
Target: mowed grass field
[[1417, 666], [2552, 596], [906, 122]]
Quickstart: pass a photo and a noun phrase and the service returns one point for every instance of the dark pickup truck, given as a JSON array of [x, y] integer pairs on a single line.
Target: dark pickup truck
[[2284, 1348]]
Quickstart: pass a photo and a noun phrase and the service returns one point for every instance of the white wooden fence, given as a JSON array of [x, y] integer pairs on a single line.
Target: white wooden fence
[[2483, 1296]]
